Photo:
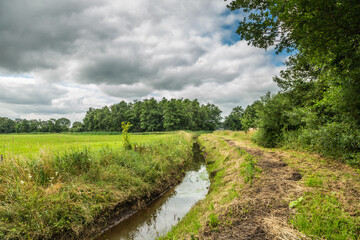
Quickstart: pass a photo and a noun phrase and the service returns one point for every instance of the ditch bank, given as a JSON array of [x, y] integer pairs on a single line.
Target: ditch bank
[[113, 216], [162, 212], [76, 193]]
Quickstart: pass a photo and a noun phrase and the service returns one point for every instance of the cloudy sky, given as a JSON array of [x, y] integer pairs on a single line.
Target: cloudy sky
[[58, 58]]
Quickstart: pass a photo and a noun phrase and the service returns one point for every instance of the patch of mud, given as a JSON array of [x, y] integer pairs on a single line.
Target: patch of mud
[[271, 164], [295, 177]]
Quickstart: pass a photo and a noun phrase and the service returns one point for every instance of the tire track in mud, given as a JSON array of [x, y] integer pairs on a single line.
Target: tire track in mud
[[266, 200]]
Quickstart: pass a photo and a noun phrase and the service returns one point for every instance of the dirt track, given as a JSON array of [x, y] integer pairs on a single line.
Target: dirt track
[[266, 201]]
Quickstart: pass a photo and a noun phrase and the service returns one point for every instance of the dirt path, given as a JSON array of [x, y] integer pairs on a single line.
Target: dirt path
[[290, 194], [266, 200]]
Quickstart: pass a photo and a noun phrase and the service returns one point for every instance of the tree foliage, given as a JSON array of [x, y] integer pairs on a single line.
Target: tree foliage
[[233, 120], [8, 125], [318, 106], [150, 115]]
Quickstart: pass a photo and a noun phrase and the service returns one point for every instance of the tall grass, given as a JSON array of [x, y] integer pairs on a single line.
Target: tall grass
[[56, 192]]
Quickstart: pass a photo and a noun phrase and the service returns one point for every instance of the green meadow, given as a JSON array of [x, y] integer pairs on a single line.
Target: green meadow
[[69, 185], [12, 145]]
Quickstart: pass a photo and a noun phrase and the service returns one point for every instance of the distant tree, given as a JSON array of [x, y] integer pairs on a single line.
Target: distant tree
[[34, 125], [120, 112], [22, 126], [151, 116], [233, 121], [211, 116], [7, 125], [77, 127], [173, 115], [250, 116], [62, 125], [135, 114]]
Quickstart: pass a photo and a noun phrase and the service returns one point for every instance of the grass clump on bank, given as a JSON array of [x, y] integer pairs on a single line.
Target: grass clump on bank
[[322, 216], [56, 193]]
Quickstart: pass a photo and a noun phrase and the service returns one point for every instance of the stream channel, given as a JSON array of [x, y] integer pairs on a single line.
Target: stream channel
[[166, 211]]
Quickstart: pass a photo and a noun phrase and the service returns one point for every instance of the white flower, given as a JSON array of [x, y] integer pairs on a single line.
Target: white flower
[[30, 175], [22, 182]]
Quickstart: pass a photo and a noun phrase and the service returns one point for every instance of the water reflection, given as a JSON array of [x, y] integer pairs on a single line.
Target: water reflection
[[161, 215]]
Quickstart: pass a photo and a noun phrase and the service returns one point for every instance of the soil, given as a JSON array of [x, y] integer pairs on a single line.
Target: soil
[[266, 201]]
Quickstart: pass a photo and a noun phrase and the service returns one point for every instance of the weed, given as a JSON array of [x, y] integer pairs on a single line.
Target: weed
[[314, 181], [248, 169], [125, 130], [214, 222]]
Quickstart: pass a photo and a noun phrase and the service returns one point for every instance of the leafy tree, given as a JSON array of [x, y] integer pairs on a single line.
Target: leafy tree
[[173, 115], [22, 126], [319, 102], [250, 117], [151, 116], [77, 127], [7, 125], [62, 125], [211, 116], [134, 115], [119, 113], [233, 121]]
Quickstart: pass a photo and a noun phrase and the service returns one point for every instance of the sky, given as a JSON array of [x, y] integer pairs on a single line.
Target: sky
[[59, 58]]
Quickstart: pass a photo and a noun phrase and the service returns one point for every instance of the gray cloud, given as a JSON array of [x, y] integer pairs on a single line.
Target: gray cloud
[[88, 53], [28, 92]]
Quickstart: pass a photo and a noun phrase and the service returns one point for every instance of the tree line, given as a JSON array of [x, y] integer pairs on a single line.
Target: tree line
[[151, 115], [8, 125], [148, 115]]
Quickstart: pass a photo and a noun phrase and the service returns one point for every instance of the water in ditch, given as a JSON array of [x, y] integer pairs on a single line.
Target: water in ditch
[[162, 214]]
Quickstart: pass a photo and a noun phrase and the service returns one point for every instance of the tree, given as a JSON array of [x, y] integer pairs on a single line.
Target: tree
[[233, 121], [22, 126], [62, 125], [7, 125], [173, 115], [77, 127], [120, 112], [319, 27], [211, 116], [250, 117], [151, 116]]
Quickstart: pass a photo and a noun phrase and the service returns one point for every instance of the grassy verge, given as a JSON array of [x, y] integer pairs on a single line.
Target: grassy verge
[[54, 193], [231, 170], [329, 206]]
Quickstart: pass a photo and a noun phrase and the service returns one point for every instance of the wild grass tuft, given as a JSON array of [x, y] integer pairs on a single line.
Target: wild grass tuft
[[248, 168]]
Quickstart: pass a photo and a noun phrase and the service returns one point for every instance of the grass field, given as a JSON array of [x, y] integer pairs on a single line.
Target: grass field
[[31, 144], [56, 184]]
